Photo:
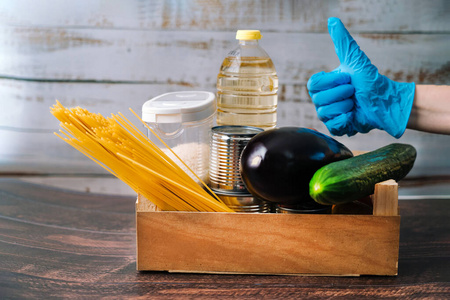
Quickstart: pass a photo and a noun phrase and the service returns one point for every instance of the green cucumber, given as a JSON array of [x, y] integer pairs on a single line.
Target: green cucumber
[[353, 178]]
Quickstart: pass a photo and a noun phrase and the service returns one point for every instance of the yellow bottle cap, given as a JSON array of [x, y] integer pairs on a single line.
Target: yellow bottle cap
[[248, 35]]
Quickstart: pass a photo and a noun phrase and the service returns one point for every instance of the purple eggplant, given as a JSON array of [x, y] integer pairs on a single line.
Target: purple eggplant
[[278, 164]]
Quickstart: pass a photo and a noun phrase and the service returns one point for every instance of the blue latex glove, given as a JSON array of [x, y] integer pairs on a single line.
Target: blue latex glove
[[355, 97]]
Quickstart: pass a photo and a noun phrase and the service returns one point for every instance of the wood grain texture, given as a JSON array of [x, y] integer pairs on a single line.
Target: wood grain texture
[[385, 199], [271, 243], [284, 15], [267, 244], [108, 56], [55, 256], [193, 58], [28, 145]]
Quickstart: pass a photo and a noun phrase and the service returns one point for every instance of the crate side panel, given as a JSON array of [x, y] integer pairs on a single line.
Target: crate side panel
[[267, 243]]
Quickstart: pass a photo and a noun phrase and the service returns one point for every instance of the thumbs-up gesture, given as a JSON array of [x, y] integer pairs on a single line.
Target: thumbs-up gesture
[[355, 97]]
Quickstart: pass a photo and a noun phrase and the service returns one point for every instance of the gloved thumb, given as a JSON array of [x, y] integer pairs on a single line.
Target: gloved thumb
[[346, 48]]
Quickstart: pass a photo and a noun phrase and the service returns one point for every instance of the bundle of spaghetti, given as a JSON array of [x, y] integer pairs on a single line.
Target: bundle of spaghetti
[[122, 149]]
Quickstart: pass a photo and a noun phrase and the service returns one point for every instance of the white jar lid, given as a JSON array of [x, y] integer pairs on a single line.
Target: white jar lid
[[179, 107]]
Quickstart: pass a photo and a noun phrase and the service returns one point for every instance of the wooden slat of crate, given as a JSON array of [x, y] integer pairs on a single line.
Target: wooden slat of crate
[[267, 243]]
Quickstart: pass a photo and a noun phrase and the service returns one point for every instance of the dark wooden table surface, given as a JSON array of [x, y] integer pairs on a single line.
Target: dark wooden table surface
[[61, 244]]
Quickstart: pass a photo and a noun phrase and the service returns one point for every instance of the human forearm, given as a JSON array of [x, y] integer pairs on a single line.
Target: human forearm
[[431, 109]]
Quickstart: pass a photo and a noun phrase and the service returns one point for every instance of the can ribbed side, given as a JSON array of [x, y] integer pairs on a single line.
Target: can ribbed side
[[227, 144]]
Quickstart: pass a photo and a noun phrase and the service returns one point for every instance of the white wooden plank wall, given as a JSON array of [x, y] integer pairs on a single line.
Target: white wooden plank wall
[[107, 56]]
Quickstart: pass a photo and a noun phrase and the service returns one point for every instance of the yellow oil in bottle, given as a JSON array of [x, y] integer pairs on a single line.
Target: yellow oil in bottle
[[247, 92]]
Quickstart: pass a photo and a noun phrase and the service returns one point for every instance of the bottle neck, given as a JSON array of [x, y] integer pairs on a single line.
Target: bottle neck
[[248, 42]]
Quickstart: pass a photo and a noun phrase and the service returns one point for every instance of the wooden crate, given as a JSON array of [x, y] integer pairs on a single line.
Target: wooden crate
[[242, 243]]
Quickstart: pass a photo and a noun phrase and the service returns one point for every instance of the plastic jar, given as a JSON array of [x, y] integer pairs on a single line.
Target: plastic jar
[[183, 120]]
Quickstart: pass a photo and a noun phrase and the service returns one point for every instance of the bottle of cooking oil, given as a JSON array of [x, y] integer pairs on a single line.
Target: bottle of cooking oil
[[247, 85]]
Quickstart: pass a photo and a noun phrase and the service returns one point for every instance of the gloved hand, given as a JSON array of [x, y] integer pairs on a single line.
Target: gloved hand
[[355, 97]]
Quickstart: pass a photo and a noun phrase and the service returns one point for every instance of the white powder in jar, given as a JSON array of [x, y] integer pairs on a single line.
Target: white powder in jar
[[196, 156]]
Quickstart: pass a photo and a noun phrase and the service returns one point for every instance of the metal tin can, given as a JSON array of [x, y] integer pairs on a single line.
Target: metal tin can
[[287, 209], [227, 143], [245, 203]]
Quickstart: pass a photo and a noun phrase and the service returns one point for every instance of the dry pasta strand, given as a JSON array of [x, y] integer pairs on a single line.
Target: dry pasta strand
[[118, 146]]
